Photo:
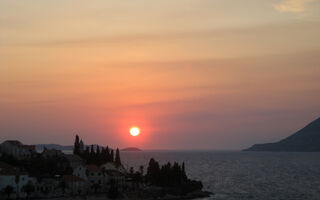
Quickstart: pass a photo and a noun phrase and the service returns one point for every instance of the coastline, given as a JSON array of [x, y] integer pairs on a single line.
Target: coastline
[[190, 196]]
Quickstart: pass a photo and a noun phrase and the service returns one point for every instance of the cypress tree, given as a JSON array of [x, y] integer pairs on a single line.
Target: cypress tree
[[153, 172], [117, 159], [98, 150], [76, 148], [108, 154], [103, 155], [184, 175], [92, 153], [111, 156], [87, 152]]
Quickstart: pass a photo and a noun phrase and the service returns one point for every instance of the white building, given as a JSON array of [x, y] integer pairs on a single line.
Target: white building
[[95, 175], [17, 149], [81, 172], [74, 160], [10, 176], [47, 153], [75, 185], [111, 166], [114, 173]]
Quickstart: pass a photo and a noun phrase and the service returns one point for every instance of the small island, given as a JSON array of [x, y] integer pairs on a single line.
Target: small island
[[90, 172], [131, 149]]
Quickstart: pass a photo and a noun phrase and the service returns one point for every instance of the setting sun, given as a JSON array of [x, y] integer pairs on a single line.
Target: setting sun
[[134, 131]]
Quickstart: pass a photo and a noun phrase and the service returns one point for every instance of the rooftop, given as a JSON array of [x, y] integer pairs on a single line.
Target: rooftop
[[93, 168]]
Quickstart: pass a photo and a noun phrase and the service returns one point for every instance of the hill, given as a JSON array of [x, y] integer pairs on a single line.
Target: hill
[[305, 140], [40, 147], [131, 149]]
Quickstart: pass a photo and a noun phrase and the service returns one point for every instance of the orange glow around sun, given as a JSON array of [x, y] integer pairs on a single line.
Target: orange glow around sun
[[134, 131]]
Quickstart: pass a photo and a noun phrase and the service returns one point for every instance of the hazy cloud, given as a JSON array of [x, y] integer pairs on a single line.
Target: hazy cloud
[[294, 6]]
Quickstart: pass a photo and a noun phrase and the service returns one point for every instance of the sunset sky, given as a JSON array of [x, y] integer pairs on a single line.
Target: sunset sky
[[192, 74]]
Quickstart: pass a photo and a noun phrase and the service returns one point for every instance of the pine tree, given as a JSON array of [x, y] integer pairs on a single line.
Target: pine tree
[[117, 159]]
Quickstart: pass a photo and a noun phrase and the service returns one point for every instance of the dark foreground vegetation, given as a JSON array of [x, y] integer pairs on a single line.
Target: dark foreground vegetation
[[171, 177]]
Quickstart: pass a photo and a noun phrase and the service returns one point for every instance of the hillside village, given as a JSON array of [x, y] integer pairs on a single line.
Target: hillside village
[[90, 170], [52, 173]]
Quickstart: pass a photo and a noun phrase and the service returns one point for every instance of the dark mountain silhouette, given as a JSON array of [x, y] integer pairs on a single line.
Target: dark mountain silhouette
[[131, 149], [40, 147], [305, 140]]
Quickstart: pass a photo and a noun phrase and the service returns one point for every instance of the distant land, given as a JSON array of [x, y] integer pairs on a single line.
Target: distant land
[[40, 147], [305, 140], [131, 149]]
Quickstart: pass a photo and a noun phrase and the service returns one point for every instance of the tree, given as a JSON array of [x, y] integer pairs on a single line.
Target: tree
[[141, 169], [92, 153], [8, 190], [81, 147], [98, 150], [28, 189], [153, 172], [76, 148], [86, 153], [108, 154], [17, 181], [117, 159], [184, 175], [112, 156], [169, 175], [131, 171]]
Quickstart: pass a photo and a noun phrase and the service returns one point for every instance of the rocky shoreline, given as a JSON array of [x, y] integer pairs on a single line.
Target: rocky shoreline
[[165, 196], [193, 195]]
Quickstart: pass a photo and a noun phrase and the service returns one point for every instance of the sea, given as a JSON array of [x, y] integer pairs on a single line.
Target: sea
[[237, 175]]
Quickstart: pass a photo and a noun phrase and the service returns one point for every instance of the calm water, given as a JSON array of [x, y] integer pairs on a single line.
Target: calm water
[[245, 175]]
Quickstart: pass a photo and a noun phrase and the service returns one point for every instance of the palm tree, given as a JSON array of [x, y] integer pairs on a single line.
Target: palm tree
[[8, 190]]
